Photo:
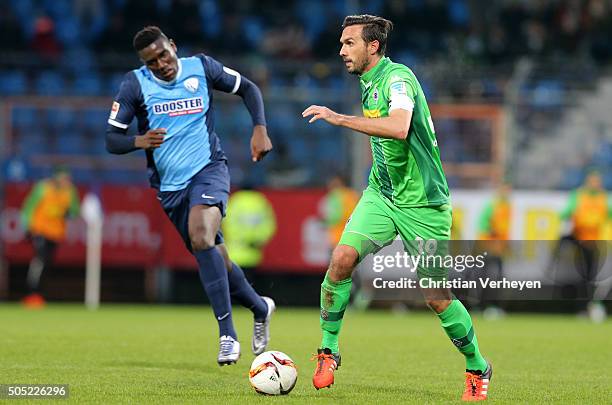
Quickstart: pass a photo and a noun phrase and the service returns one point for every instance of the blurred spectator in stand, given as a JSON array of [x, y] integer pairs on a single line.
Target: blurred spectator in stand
[[587, 214], [44, 41], [44, 214]]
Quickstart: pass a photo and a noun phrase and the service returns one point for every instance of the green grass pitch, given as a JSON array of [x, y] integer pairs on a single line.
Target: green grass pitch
[[167, 354]]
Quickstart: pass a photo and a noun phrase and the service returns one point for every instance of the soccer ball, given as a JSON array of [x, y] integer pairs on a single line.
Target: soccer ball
[[273, 373]]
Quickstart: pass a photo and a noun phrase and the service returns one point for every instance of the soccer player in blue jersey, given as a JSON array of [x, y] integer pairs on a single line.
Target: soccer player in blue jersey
[[171, 98]]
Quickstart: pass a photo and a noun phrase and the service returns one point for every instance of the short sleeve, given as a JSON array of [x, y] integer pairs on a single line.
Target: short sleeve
[[126, 102], [402, 91], [222, 78]]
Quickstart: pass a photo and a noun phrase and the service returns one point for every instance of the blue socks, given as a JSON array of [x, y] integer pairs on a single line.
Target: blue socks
[[214, 277], [243, 292]]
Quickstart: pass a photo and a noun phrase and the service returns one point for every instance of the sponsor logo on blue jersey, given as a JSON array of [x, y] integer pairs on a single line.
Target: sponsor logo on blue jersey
[[179, 107]]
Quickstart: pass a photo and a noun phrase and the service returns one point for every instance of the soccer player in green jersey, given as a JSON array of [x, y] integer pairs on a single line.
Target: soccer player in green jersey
[[407, 194]]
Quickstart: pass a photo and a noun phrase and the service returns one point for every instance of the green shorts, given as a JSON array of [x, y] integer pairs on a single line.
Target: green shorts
[[376, 222]]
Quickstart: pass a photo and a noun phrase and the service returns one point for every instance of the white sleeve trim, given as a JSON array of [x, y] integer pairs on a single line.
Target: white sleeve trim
[[238, 78], [117, 124], [401, 101]]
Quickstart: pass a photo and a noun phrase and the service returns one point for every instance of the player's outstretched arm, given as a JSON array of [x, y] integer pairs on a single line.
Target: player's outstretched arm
[[395, 126]]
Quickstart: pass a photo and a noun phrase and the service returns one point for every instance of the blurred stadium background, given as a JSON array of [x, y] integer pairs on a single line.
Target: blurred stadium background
[[520, 91]]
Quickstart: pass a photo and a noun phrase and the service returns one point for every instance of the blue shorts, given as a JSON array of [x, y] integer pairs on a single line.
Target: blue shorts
[[210, 186]]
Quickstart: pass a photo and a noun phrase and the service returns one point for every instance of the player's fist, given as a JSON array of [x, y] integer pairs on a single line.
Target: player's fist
[[260, 143], [151, 140]]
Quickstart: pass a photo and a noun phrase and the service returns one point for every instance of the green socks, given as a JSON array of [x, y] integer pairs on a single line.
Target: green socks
[[457, 323], [334, 299], [455, 320]]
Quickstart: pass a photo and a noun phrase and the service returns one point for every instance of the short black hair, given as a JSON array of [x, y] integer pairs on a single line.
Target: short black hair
[[374, 28], [146, 37]]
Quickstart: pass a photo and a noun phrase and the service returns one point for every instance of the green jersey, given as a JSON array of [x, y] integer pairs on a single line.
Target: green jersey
[[407, 172]]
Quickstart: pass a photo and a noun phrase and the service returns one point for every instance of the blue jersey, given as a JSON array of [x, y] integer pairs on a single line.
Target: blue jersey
[[184, 108]]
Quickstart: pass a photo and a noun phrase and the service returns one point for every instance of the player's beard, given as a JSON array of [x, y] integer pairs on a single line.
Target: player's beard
[[359, 66]]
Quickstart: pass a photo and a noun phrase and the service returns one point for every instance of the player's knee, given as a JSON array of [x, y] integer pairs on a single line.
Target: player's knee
[[344, 259], [437, 305], [201, 239]]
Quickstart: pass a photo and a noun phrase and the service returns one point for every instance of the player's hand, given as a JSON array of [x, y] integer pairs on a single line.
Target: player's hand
[[151, 140], [320, 112], [260, 143]]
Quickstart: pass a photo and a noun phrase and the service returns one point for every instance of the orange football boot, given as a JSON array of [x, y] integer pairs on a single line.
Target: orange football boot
[[33, 301], [477, 385], [327, 363]]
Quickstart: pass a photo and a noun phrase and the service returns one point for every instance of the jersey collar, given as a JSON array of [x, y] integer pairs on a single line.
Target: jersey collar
[[372, 74], [178, 74]]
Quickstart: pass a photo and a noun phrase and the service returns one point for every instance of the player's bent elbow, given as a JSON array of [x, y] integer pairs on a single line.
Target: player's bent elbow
[[108, 148], [401, 134], [111, 149]]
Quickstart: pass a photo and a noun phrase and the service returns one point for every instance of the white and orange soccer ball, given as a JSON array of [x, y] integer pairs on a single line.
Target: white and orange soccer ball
[[273, 373]]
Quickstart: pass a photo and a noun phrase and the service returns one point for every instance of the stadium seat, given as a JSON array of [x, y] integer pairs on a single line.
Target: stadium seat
[[253, 30], [24, 118], [67, 31], [39, 172], [603, 154], [59, 119], [331, 148], [112, 84], [83, 176], [33, 142], [93, 119], [607, 178], [87, 84], [84, 56], [572, 178], [372, 7], [313, 16], [57, 8], [13, 83], [547, 94], [97, 144], [70, 143], [50, 83], [211, 18]]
